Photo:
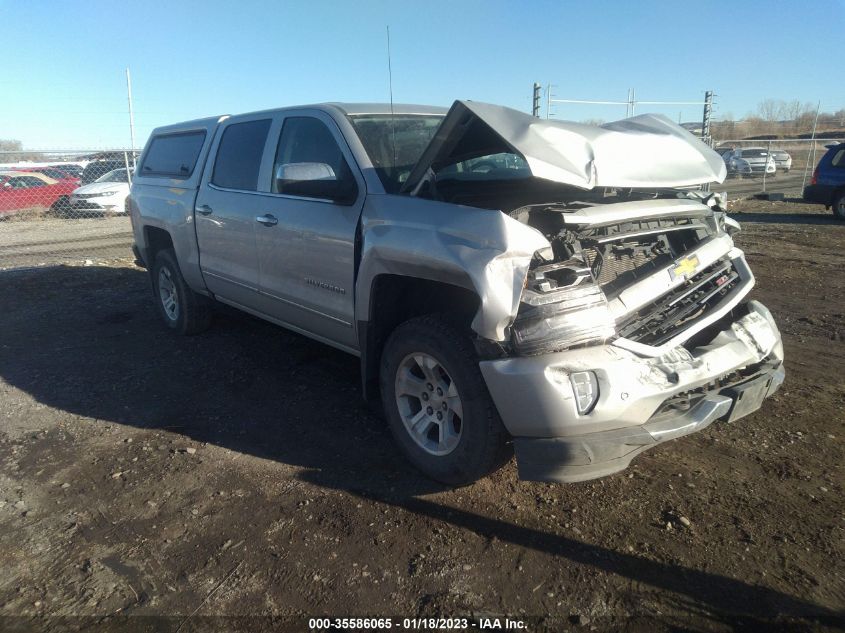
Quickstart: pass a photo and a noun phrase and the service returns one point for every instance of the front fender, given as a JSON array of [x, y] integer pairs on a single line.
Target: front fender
[[481, 250]]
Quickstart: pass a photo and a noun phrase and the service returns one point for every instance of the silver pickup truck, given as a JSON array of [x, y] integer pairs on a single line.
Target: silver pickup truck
[[562, 290]]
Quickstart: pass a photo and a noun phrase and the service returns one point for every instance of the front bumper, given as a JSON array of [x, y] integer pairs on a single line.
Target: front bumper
[[642, 401], [748, 170], [108, 204]]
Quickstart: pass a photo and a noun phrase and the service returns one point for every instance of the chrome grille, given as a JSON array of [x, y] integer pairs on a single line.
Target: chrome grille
[[677, 310], [624, 265], [619, 254]]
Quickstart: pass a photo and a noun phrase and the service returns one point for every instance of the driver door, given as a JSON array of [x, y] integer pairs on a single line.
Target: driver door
[[306, 247]]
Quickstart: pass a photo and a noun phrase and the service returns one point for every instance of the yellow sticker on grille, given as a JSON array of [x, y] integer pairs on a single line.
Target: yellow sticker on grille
[[684, 267]]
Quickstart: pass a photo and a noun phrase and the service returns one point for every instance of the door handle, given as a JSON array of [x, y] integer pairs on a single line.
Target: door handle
[[267, 220], [205, 209]]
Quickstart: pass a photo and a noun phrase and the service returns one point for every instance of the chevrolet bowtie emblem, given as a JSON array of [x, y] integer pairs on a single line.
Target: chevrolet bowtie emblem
[[684, 267]]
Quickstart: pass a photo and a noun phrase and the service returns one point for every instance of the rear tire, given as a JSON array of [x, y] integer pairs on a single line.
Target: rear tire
[[181, 309], [839, 205], [437, 404]]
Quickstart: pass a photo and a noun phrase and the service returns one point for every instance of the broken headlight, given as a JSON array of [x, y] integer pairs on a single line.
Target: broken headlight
[[562, 318]]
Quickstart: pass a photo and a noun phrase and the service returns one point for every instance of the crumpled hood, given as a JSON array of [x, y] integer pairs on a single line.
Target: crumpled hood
[[644, 151]]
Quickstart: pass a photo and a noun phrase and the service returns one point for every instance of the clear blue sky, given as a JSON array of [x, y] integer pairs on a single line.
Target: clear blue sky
[[63, 83]]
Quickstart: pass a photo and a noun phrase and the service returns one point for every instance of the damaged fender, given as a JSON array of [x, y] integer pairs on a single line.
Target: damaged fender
[[481, 250]]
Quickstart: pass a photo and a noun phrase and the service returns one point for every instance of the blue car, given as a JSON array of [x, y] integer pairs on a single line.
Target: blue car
[[828, 184]]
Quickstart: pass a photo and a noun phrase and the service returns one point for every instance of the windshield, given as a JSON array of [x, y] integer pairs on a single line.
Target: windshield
[[413, 133], [117, 175], [500, 166]]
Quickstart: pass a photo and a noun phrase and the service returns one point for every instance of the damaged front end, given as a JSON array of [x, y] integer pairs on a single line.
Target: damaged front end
[[631, 327], [646, 271]]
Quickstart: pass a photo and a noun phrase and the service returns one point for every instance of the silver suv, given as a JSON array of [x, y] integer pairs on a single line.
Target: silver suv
[[508, 283]]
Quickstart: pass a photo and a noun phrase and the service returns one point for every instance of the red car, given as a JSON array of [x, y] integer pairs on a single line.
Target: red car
[[20, 190], [51, 172]]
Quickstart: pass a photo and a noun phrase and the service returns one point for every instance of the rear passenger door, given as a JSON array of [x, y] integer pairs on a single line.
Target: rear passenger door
[[227, 204], [306, 246]]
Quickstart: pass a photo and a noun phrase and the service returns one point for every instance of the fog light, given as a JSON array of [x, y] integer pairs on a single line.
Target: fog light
[[585, 386]]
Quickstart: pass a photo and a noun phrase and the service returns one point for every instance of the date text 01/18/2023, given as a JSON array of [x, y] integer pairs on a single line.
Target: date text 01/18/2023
[[416, 624]]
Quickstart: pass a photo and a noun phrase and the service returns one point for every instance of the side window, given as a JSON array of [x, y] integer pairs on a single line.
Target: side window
[[172, 155], [239, 155], [309, 163], [838, 159], [25, 182]]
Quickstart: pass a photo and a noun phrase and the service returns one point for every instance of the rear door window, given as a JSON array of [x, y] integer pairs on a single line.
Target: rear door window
[[239, 155], [173, 155]]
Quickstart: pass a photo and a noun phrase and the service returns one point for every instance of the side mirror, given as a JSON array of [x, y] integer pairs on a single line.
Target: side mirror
[[313, 180]]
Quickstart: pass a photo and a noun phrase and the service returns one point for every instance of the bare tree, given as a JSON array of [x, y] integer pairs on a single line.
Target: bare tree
[[12, 152], [770, 110]]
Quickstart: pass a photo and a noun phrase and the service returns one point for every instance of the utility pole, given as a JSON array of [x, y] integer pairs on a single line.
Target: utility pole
[[131, 113], [708, 114], [535, 107], [812, 159]]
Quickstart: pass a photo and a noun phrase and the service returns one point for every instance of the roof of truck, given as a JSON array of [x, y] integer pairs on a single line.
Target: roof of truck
[[353, 109], [350, 109]]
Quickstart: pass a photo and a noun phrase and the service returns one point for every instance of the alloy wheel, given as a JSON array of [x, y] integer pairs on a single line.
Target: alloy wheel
[[168, 294], [429, 403]]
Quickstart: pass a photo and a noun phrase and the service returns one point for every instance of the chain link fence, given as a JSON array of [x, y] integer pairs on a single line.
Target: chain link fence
[[64, 207], [769, 166], [68, 206]]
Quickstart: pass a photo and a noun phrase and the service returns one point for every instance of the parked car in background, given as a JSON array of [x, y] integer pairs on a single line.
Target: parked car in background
[[71, 169], [107, 193], [721, 151], [51, 172], [783, 160], [750, 161], [827, 186], [96, 169], [21, 191]]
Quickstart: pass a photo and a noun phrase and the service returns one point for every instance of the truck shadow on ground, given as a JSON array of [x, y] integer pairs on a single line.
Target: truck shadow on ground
[[87, 341]]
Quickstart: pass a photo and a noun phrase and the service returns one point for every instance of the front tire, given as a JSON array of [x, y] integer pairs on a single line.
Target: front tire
[[181, 309], [437, 404]]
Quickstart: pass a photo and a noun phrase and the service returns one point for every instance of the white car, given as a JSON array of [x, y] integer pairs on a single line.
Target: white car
[[782, 159], [750, 161], [107, 193]]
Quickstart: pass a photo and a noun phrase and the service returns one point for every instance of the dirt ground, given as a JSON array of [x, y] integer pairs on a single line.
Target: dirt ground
[[70, 240], [239, 473]]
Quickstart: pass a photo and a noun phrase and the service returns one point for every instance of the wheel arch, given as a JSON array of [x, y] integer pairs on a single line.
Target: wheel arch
[[394, 299], [156, 239]]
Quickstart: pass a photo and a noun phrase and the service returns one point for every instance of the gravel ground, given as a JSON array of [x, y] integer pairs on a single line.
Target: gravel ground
[[238, 473], [50, 240]]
